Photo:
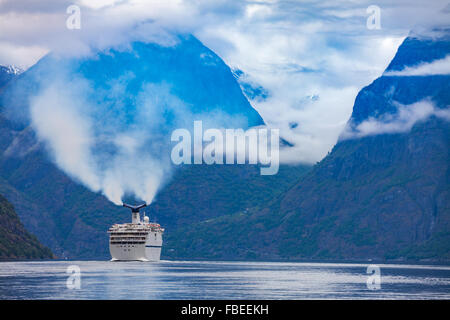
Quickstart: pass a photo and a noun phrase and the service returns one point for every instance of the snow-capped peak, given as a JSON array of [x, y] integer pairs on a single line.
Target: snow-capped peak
[[13, 70]]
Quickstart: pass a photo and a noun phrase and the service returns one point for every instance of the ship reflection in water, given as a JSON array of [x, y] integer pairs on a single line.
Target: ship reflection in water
[[220, 280]]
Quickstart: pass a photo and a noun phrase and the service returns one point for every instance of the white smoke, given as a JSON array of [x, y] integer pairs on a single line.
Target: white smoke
[[58, 121], [111, 140], [104, 152]]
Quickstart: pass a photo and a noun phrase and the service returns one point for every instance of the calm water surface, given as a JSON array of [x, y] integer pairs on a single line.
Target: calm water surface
[[220, 280]]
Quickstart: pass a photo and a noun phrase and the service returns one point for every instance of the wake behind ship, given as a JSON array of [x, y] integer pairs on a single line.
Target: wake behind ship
[[135, 241]]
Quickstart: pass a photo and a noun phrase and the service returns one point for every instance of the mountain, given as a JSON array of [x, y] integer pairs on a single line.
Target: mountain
[[114, 80], [71, 219], [379, 196], [7, 73], [15, 241]]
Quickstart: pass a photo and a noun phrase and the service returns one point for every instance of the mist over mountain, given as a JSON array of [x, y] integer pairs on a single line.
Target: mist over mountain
[[390, 90]]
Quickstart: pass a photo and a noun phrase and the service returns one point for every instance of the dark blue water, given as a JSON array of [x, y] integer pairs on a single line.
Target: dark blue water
[[219, 280]]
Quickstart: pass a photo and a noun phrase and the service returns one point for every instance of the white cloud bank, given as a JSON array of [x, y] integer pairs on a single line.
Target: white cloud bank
[[405, 117], [436, 67]]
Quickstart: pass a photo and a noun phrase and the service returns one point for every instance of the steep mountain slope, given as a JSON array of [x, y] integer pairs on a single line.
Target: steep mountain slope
[[15, 241], [115, 79], [384, 196], [202, 192]]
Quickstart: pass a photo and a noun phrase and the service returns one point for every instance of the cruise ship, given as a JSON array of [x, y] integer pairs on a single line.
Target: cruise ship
[[135, 241]]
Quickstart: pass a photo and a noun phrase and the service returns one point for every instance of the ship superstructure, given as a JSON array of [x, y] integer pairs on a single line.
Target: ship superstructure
[[136, 241]]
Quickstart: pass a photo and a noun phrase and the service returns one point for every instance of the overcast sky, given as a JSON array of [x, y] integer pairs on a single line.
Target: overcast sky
[[311, 56]]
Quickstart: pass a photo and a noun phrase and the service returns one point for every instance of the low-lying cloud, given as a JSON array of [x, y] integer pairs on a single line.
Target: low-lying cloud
[[405, 117], [433, 68]]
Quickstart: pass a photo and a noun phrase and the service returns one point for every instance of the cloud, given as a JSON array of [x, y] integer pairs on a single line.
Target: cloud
[[19, 55], [436, 67], [297, 57], [105, 23], [405, 117]]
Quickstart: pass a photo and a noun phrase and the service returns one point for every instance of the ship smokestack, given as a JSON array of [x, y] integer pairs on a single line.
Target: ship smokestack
[[135, 218]]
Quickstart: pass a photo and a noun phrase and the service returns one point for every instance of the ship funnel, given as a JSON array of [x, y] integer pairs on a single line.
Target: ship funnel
[[135, 208], [135, 212]]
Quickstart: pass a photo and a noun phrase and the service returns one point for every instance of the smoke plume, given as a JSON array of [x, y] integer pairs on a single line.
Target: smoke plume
[[117, 150]]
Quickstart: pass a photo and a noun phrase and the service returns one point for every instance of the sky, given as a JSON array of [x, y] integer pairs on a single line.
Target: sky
[[312, 57]]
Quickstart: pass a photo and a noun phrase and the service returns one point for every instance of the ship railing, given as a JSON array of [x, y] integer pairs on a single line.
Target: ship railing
[[128, 242], [128, 232], [115, 237]]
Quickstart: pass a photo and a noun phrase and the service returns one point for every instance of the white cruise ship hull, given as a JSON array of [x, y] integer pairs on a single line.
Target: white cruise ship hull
[[135, 242], [135, 253]]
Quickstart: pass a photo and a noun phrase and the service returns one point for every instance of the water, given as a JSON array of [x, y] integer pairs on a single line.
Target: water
[[220, 280]]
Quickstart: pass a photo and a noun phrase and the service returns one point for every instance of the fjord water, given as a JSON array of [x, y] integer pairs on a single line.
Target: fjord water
[[220, 280]]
